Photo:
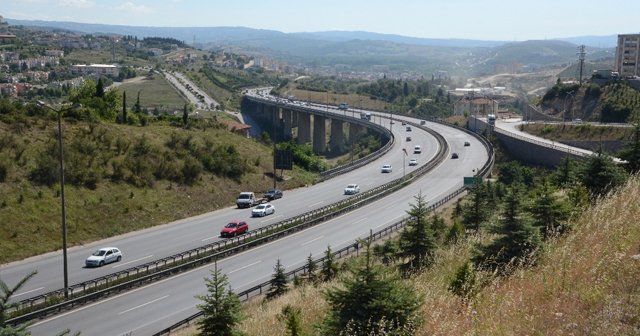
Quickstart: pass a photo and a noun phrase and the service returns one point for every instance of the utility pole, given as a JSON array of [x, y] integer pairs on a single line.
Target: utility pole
[[581, 55]]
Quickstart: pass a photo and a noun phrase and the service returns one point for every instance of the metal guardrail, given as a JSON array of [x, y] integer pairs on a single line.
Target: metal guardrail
[[117, 282]]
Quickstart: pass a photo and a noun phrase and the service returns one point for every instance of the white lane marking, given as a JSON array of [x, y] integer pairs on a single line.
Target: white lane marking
[[271, 218], [210, 238], [359, 221], [243, 267], [142, 305], [314, 204], [27, 292], [156, 321], [311, 241], [387, 223], [132, 261]]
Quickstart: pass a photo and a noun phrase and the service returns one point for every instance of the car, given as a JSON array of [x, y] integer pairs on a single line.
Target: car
[[272, 194], [577, 121], [467, 144], [413, 162], [422, 122], [352, 189], [103, 256], [408, 138], [392, 122], [404, 123], [408, 128], [454, 155], [234, 228], [263, 210], [386, 168], [417, 149]]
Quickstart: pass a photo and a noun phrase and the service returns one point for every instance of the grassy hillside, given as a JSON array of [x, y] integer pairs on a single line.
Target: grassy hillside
[[116, 181], [155, 93], [585, 282]]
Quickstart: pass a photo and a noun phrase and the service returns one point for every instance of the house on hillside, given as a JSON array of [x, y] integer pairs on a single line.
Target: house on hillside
[[472, 105]]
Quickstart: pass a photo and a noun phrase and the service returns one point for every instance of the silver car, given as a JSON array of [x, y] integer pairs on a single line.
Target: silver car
[[352, 189], [263, 210], [103, 256]]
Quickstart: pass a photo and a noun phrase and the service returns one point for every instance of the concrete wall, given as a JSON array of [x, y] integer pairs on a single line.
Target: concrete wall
[[533, 113]]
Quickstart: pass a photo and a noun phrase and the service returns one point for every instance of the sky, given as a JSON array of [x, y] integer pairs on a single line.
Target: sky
[[503, 20]]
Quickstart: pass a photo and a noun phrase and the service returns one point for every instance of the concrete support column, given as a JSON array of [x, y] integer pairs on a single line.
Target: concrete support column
[[319, 134], [304, 128], [286, 116], [354, 133], [336, 141]]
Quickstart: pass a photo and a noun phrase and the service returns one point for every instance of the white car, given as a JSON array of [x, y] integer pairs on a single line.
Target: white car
[[103, 256], [386, 168], [263, 210], [413, 162], [352, 189]]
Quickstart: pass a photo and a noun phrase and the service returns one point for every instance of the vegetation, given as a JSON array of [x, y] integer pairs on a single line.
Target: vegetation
[[221, 308]]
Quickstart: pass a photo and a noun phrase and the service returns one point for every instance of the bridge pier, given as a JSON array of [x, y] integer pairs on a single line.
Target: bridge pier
[[319, 134], [286, 122], [336, 141], [304, 128]]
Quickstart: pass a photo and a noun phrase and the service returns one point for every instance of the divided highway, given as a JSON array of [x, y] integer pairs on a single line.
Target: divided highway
[[146, 310]]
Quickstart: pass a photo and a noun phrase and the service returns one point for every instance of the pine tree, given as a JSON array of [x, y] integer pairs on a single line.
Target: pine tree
[[291, 317], [548, 211], [631, 153], [185, 115], [566, 173], [329, 267], [417, 241], [278, 282], [519, 240], [601, 174], [100, 88], [464, 282], [475, 212], [371, 301], [312, 268], [456, 231], [136, 107], [124, 107], [221, 308]]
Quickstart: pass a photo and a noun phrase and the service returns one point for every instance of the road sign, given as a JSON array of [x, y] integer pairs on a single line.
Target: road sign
[[469, 181]]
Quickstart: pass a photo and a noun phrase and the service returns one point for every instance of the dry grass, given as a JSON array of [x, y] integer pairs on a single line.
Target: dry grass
[[585, 283], [560, 132]]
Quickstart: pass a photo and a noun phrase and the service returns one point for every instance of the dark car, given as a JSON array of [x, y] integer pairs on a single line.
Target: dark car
[[272, 194], [234, 228], [454, 155]]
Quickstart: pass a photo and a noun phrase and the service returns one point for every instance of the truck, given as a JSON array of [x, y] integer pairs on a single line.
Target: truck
[[248, 199], [365, 116]]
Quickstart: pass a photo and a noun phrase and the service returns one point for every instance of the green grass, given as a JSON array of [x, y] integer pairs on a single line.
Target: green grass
[[30, 214], [155, 92], [560, 132]]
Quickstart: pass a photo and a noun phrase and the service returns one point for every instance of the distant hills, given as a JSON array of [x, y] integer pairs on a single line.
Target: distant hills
[[364, 51]]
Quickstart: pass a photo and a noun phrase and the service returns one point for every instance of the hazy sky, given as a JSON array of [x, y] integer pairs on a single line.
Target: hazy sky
[[474, 19]]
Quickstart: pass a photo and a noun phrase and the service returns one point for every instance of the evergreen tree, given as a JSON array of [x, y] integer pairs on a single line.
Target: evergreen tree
[[329, 267], [124, 107], [100, 88], [464, 282], [278, 282], [600, 175], [185, 115], [566, 173], [136, 107], [221, 308], [475, 212], [456, 231], [5, 296], [631, 153], [518, 240], [417, 241], [439, 227], [291, 317], [371, 301], [312, 268], [387, 252], [548, 211]]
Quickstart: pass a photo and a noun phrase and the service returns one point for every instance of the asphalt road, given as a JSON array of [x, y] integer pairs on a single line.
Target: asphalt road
[[149, 309], [161, 241]]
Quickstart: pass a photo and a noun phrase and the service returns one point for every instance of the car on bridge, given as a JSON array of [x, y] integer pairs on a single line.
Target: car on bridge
[[352, 189], [413, 162], [467, 144], [234, 228], [386, 168], [454, 155], [263, 210], [272, 194], [408, 138], [103, 256]]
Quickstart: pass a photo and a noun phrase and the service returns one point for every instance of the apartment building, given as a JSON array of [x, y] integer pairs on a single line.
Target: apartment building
[[628, 55]]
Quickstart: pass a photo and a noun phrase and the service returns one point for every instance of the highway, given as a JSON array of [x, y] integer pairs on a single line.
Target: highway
[[148, 309], [165, 240]]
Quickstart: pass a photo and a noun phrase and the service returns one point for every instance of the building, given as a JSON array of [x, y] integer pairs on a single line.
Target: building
[[100, 69], [476, 106], [628, 55]]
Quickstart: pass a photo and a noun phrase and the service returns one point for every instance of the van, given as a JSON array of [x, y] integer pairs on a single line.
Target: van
[[417, 149]]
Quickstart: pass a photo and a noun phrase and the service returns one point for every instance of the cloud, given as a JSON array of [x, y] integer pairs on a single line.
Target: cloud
[[132, 8], [76, 3]]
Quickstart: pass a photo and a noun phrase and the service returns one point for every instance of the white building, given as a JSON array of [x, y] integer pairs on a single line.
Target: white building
[[100, 69]]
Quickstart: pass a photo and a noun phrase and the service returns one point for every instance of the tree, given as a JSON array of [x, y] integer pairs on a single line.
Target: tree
[[100, 88], [548, 211], [475, 212], [291, 317], [221, 308], [185, 115], [278, 282], [566, 173], [518, 239], [312, 268], [631, 153], [329, 267], [5, 296], [136, 107], [417, 241], [464, 282], [124, 107], [371, 301], [600, 175]]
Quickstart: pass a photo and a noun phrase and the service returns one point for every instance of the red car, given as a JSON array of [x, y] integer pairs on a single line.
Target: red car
[[234, 228]]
